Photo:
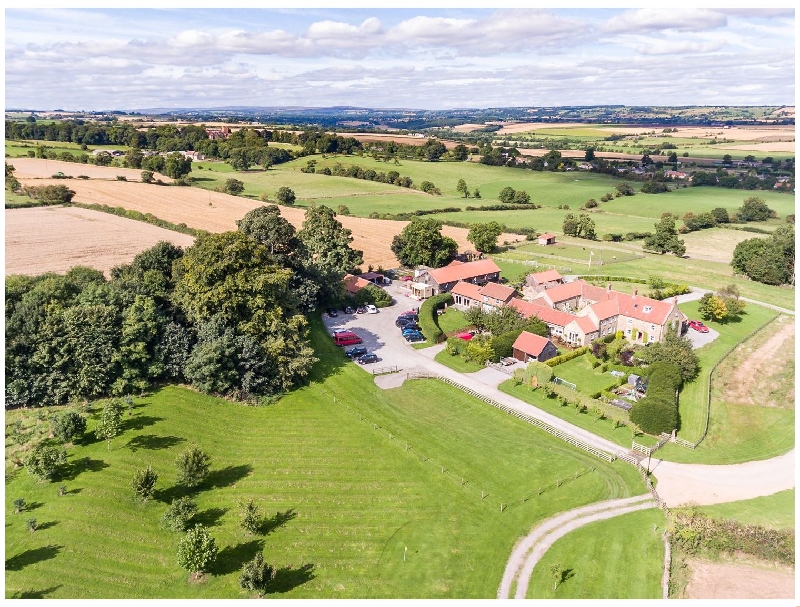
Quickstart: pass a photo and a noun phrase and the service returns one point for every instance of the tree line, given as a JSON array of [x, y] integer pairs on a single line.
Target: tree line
[[227, 315]]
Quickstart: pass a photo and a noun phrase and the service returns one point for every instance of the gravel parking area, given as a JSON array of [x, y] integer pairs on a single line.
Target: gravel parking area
[[379, 332], [701, 339]]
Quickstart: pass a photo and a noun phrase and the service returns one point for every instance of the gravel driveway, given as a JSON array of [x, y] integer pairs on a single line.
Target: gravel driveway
[[701, 339]]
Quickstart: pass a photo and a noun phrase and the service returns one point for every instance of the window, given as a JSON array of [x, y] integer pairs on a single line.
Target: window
[[652, 327], [630, 322], [652, 338], [627, 332]]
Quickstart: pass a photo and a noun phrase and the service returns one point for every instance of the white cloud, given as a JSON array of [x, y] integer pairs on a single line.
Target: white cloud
[[655, 19]]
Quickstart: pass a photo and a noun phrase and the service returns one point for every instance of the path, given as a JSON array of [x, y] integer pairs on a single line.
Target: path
[[529, 550]]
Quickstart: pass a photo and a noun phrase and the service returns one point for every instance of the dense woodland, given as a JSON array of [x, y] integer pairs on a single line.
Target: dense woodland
[[228, 315]]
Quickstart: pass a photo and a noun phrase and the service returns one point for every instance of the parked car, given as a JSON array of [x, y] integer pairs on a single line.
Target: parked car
[[414, 336], [407, 279], [367, 358], [331, 312], [408, 330], [355, 352], [348, 310], [361, 310], [698, 326], [410, 327], [371, 309], [346, 338], [466, 336], [403, 322], [407, 316]]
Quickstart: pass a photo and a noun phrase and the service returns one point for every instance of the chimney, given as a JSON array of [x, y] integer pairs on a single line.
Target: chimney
[[608, 288], [635, 291], [675, 300]]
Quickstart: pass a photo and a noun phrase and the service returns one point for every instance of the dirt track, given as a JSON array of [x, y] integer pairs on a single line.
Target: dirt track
[[53, 239]]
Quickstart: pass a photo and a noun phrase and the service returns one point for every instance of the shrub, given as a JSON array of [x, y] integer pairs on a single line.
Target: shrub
[[285, 196], [590, 204], [192, 466], [503, 344], [43, 461], [147, 176], [19, 505], [197, 551], [557, 360], [144, 482], [372, 294], [234, 187], [68, 426], [654, 415], [256, 575], [250, 516]]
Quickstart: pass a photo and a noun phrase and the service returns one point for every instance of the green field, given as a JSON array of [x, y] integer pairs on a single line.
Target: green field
[[736, 433], [18, 148], [775, 511], [350, 497], [618, 558], [457, 363]]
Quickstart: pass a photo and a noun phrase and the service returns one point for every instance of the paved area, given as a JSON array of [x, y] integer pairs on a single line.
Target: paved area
[[701, 339]]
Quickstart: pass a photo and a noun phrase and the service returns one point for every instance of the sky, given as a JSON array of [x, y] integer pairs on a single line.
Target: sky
[[438, 58]]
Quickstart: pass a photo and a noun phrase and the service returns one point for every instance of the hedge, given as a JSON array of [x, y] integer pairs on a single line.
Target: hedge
[[372, 294], [503, 344], [658, 411], [568, 356], [429, 320]]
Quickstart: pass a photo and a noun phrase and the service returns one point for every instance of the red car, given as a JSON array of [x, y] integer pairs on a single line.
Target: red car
[[698, 326], [465, 336]]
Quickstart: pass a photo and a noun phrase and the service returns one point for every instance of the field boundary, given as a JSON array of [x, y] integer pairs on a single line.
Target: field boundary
[[139, 216]]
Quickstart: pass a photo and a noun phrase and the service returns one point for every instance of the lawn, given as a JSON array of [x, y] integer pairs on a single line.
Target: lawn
[[452, 320], [587, 380], [457, 362], [775, 511], [618, 558], [736, 433], [356, 475]]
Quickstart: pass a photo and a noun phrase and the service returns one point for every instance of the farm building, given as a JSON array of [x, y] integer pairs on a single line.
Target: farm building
[[442, 280], [540, 281], [374, 278], [353, 284], [491, 296], [532, 347], [548, 238]]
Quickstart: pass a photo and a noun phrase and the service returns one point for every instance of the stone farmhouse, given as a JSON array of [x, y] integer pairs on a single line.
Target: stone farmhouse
[[578, 312]]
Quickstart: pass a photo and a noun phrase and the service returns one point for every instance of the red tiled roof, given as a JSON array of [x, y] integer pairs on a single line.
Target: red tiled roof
[[565, 291], [497, 291], [605, 309], [463, 271], [634, 307], [546, 276], [530, 343], [542, 312], [585, 324], [467, 289], [547, 235], [353, 284]]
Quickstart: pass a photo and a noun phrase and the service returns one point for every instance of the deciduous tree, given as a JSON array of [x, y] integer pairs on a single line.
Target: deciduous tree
[[197, 551], [484, 236], [192, 465], [421, 243]]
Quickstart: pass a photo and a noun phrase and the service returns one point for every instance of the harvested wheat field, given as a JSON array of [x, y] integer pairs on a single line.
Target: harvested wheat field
[[217, 212], [728, 581], [53, 239], [38, 168]]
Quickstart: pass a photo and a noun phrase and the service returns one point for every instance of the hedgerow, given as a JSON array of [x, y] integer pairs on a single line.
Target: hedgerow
[[553, 362], [429, 320]]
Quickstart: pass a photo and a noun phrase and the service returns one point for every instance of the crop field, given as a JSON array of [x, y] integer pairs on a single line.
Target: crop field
[[217, 212], [53, 239], [618, 558], [37, 168], [738, 431], [343, 496]]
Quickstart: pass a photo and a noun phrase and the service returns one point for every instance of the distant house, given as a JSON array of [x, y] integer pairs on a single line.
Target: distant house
[[531, 347], [374, 278], [490, 297], [676, 175], [353, 284], [548, 238], [442, 280], [222, 133]]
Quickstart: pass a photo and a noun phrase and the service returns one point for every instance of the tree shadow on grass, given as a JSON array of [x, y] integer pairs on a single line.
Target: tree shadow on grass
[[35, 594], [29, 557], [173, 493], [287, 578], [279, 520], [46, 525], [71, 470], [141, 422], [226, 477], [32, 506], [232, 558], [153, 442], [210, 517]]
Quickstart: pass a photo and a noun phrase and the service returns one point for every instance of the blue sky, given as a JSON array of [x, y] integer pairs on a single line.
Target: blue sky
[[92, 58]]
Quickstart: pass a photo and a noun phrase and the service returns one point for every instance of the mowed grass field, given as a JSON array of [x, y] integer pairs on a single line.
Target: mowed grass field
[[775, 511], [737, 432], [343, 495], [618, 558]]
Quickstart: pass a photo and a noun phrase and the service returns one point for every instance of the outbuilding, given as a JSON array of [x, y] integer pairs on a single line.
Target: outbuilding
[[530, 346], [548, 238]]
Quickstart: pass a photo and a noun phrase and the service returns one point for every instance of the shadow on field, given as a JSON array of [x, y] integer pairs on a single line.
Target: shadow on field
[[287, 579], [153, 442], [29, 557], [331, 358], [210, 517], [32, 506], [226, 477], [232, 558], [73, 469], [46, 525], [142, 422], [279, 520], [35, 594]]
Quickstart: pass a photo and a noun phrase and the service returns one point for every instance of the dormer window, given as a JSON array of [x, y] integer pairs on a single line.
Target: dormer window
[[647, 309]]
